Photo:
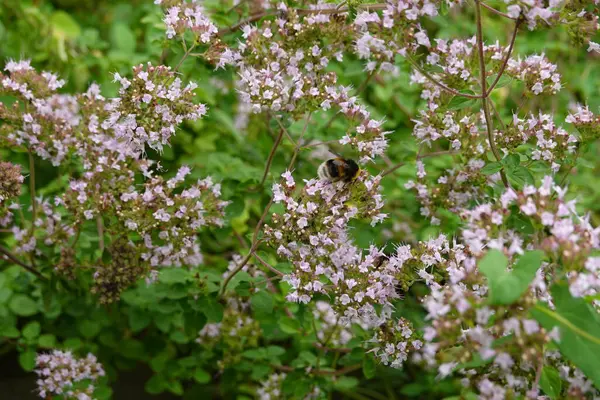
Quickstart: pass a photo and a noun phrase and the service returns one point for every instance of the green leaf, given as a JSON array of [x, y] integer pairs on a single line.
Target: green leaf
[[23, 305], [262, 302], [178, 337], [512, 160], [173, 275], [506, 287], [369, 367], [31, 330], [73, 343], [491, 168], [9, 332], [255, 354], [138, 319], [346, 383], [520, 176], [503, 81], [27, 360], [175, 387], [64, 26], [122, 38], [201, 376], [89, 328], [260, 371], [460, 102], [275, 351], [211, 308], [550, 382], [155, 385], [47, 341], [289, 325], [579, 329]]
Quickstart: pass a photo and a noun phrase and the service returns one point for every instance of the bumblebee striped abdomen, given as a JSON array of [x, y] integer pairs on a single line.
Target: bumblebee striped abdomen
[[338, 169]]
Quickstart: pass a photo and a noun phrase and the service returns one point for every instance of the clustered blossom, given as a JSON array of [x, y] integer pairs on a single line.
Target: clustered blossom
[[46, 128], [456, 188], [569, 241], [118, 188], [463, 183], [398, 339], [396, 31], [458, 58], [236, 332], [537, 72], [330, 330], [150, 107], [10, 181], [328, 254], [586, 122], [61, 373], [270, 389], [282, 68], [182, 16], [539, 13], [552, 143]]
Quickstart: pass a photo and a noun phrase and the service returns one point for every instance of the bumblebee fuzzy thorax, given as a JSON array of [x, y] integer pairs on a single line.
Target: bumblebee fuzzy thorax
[[338, 169]]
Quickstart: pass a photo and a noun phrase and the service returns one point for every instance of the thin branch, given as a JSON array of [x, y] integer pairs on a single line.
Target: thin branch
[[538, 373], [286, 132], [32, 189], [269, 266], [236, 270], [100, 228], [332, 349], [298, 147], [185, 56], [440, 84], [33, 201], [364, 83], [433, 154], [483, 82], [396, 101], [310, 145], [14, 259], [300, 11], [492, 9], [257, 228], [271, 156], [498, 116], [506, 58], [569, 169], [338, 372], [340, 10], [249, 20]]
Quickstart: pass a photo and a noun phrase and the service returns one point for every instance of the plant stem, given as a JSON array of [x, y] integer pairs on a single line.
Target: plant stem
[[32, 189], [506, 58], [483, 83], [185, 56], [100, 228], [14, 259], [269, 266], [492, 9], [236, 270], [271, 156], [435, 153], [568, 324], [440, 84]]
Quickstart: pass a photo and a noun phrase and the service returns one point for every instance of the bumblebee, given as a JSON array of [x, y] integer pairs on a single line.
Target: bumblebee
[[338, 169]]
